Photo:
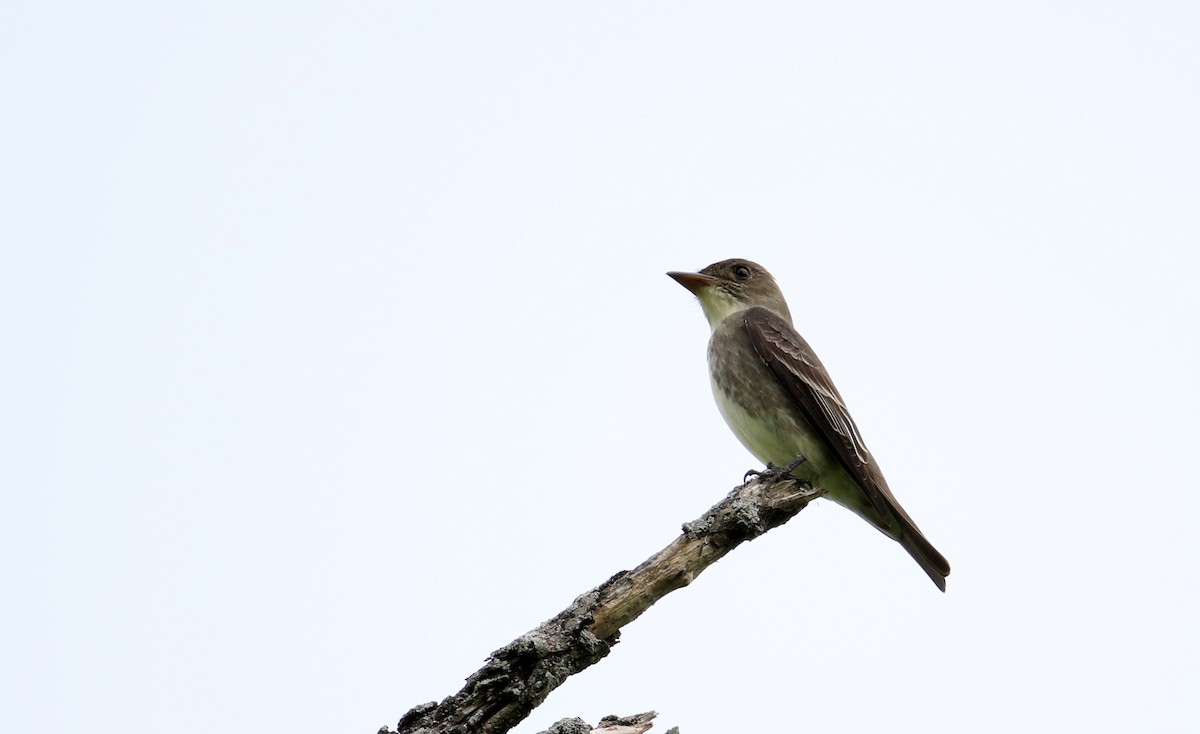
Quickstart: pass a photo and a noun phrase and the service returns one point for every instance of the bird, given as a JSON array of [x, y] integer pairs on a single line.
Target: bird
[[780, 402]]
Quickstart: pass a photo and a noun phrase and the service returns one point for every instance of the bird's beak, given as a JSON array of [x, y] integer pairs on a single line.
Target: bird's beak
[[694, 282]]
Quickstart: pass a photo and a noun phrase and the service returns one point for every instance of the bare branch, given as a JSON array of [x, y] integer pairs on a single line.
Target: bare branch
[[635, 724], [518, 677]]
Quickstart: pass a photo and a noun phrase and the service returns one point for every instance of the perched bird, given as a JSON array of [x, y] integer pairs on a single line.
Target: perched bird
[[781, 404]]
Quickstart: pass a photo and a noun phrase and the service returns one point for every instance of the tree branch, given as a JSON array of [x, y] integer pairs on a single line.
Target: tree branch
[[635, 724], [518, 677]]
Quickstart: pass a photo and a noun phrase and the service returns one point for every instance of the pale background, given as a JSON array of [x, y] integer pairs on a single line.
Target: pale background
[[338, 353]]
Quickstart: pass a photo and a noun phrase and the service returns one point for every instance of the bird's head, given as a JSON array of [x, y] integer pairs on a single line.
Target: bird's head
[[732, 286]]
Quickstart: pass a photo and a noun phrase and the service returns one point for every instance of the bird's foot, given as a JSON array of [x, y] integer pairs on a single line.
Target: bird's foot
[[775, 473]]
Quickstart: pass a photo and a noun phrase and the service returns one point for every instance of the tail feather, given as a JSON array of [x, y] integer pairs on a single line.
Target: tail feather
[[926, 556]]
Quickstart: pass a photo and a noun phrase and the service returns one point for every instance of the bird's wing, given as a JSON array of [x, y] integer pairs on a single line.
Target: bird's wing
[[807, 381]]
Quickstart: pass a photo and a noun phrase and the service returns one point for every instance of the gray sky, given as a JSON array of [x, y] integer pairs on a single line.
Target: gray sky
[[339, 353]]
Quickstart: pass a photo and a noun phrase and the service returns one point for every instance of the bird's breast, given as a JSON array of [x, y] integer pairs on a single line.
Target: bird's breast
[[755, 405]]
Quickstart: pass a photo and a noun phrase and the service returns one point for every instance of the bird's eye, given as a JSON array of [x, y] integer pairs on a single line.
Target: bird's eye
[[742, 272]]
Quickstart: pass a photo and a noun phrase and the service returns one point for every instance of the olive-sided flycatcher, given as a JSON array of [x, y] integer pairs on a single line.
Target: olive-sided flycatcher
[[781, 404]]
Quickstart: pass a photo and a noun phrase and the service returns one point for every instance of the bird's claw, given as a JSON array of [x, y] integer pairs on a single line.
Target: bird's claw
[[775, 473], [769, 472]]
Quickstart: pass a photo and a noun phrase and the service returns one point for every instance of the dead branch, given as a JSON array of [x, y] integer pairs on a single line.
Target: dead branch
[[518, 677]]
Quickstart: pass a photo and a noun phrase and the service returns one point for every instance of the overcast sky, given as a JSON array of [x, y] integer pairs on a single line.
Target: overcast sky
[[339, 352]]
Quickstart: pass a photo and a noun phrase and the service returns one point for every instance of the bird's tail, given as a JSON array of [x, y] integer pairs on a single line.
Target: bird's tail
[[923, 552]]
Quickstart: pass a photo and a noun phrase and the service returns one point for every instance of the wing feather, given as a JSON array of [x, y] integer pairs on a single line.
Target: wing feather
[[796, 365]]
